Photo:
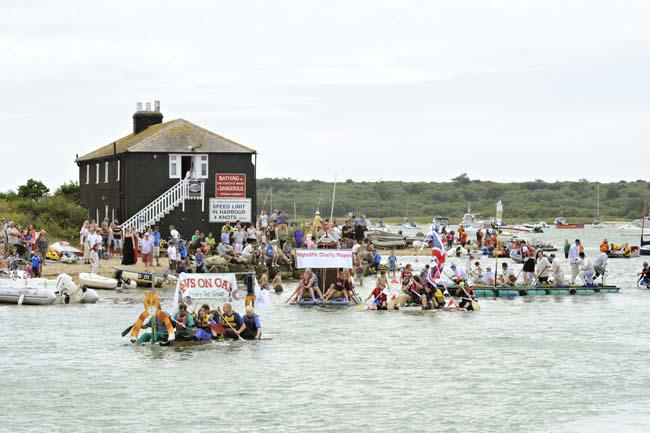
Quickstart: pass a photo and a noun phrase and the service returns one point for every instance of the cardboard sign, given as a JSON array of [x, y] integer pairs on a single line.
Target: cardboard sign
[[230, 185], [222, 210], [317, 259]]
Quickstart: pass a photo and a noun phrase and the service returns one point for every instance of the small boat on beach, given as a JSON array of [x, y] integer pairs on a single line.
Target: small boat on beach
[[95, 281], [142, 279], [20, 289]]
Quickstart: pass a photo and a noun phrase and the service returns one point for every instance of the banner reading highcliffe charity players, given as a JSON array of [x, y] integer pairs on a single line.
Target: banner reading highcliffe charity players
[[222, 287], [324, 259]]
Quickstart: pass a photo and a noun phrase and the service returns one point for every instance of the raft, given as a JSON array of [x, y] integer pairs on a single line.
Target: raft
[[538, 290], [334, 303], [97, 281]]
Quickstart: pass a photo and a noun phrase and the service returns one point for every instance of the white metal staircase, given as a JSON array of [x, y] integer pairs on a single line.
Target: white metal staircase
[[164, 204]]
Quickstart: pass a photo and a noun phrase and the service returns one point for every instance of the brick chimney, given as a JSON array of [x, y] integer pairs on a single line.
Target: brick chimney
[[142, 119]]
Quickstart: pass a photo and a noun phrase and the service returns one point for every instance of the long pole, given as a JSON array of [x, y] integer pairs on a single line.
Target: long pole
[[333, 198], [295, 214], [271, 207]]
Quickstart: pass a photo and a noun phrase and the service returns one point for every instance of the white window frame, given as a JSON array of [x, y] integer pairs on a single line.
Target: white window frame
[[106, 211], [97, 216], [200, 162], [106, 174], [174, 161], [118, 171], [97, 174], [87, 174]]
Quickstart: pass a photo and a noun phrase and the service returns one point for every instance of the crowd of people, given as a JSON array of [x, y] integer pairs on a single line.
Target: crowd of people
[[23, 248]]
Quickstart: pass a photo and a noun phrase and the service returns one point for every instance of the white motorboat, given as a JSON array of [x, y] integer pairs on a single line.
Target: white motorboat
[[20, 289]]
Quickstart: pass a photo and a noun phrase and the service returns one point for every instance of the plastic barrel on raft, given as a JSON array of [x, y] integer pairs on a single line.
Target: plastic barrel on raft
[[535, 292], [484, 293], [507, 293], [338, 302], [585, 291], [309, 302]]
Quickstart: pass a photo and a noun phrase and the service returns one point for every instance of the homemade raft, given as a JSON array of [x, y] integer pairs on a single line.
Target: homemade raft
[[334, 303], [513, 291]]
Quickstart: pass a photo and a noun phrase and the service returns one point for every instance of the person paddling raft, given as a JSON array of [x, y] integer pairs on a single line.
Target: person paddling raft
[[184, 323], [414, 290], [252, 327], [467, 298], [231, 321]]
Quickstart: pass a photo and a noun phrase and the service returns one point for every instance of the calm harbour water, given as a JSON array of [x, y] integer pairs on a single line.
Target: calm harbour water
[[543, 364]]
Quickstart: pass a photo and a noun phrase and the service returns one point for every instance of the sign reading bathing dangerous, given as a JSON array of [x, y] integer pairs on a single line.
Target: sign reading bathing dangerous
[[230, 185], [222, 210]]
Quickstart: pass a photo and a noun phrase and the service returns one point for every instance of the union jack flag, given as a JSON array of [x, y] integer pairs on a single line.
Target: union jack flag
[[438, 250]]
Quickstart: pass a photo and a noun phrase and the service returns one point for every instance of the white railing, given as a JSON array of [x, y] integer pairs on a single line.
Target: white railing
[[160, 207]]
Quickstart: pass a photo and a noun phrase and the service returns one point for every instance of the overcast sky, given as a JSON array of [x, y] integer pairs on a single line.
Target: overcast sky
[[405, 90]]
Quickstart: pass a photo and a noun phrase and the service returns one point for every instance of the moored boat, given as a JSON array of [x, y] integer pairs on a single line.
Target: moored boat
[[95, 281], [21, 289], [142, 279]]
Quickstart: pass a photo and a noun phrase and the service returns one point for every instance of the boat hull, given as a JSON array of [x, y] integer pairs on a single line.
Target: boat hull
[[515, 291]]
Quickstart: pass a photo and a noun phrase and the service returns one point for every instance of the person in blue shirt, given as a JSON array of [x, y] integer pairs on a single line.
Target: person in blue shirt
[[156, 244], [392, 263], [183, 250], [36, 265], [200, 262], [376, 260], [298, 236], [253, 328]]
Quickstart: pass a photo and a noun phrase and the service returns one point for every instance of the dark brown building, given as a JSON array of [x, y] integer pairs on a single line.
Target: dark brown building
[[142, 179]]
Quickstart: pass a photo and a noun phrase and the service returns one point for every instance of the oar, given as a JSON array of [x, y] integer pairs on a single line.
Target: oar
[[127, 330], [474, 303]]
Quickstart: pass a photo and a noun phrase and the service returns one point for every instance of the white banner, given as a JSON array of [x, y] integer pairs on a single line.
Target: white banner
[[222, 210], [324, 259], [221, 287]]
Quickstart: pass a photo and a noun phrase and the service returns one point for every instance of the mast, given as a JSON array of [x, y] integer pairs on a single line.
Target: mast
[[271, 199], [598, 203], [333, 199]]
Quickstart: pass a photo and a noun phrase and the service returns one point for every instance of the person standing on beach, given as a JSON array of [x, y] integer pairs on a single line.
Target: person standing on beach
[[94, 259], [146, 249], [156, 245]]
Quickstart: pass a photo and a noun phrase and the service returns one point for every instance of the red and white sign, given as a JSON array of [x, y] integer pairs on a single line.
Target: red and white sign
[[230, 185], [222, 287], [324, 259]]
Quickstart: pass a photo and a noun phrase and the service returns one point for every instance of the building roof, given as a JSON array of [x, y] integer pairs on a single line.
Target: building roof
[[169, 137]]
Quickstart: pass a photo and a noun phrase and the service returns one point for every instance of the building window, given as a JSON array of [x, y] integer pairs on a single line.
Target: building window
[[203, 167], [97, 173], [106, 175], [87, 174], [97, 214], [106, 212], [118, 171], [174, 171]]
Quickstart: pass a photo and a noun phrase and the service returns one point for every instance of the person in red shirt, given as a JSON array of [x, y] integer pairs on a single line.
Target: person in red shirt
[[414, 290]]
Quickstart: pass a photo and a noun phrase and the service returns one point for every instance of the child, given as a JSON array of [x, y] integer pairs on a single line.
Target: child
[[277, 283], [392, 263], [36, 265], [94, 259], [199, 261], [361, 270]]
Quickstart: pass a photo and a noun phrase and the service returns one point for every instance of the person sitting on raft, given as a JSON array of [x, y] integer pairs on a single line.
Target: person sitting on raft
[[252, 329], [543, 268], [340, 288], [203, 329], [477, 272], [587, 270], [644, 275], [184, 323], [466, 297], [434, 294], [600, 266], [507, 276], [379, 299], [309, 283], [459, 274], [232, 322], [556, 271], [415, 291], [161, 333], [488, 277]]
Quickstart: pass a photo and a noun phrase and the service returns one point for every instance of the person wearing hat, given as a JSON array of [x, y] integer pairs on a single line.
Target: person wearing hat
[[488, 277], [318, 222]]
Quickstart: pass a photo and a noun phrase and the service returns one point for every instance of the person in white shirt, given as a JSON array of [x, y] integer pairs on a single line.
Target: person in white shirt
[[459, 273], [172, 256], [574, 259], [174, 234], [587, 270], [248, 253], [556, 270], [600, 266], [507, 276], [264, 220], [543, 268], [84, 235], [190, 175], [488, 277], [94, 260], [336, 232]]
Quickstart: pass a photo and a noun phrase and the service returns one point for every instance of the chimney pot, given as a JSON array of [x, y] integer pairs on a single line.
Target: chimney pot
[[138, 106], [156, 106], [142, 119], [148, 105]]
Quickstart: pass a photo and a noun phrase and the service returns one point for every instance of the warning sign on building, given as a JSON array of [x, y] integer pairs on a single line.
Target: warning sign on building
[[230, 210], [230, 185]]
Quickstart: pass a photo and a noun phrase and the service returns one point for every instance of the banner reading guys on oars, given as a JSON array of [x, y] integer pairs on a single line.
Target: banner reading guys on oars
[[220, 287]]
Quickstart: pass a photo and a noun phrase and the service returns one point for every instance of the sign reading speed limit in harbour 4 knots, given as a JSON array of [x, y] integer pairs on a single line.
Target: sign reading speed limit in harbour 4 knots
[[230, 185], [222, 210]]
